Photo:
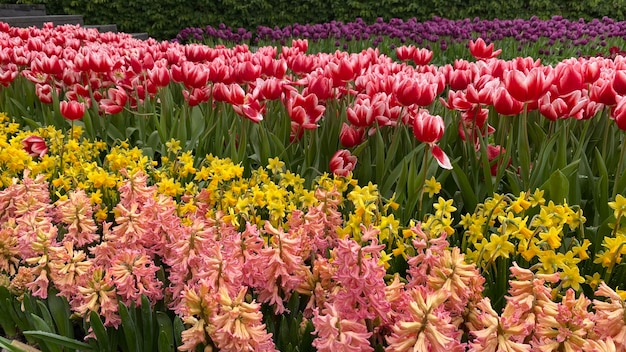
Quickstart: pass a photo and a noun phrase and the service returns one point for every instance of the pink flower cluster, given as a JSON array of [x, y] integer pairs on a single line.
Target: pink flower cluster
[[220, 275]]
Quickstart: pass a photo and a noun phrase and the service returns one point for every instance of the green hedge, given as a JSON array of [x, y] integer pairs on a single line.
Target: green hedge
[[163, 19]]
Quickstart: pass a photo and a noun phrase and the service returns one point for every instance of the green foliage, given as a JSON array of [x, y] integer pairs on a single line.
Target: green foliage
[[49, 325]]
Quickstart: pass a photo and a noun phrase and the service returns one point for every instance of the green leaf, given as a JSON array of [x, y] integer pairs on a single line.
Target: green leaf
[[147, 324], [178, 329], [467, 192], [41, 325], [395, 177], [294, 305], [196, 124], [166, 332], [601, 194], [8, 345], [99, 330], [45, 314], [620, 183], [544, 164], [18, 316], [31, 123], [59, 340], [17, 104], [130, 329], [306, 345], [89, 129], [114, 133], [165, 343], [60, 310], [6, 322], [487, 181], [557, 187], [283, 332], [380, 157]]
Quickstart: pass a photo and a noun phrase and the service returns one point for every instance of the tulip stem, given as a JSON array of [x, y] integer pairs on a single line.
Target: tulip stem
[[525, 150], [606, 132], [618, 171], [421, 195]]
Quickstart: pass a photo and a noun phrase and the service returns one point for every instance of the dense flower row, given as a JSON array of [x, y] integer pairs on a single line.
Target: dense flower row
[[104, 75], [436, 33], [228, 245]]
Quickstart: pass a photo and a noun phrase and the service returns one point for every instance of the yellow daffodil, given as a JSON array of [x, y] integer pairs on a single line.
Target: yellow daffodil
[[432, 187]]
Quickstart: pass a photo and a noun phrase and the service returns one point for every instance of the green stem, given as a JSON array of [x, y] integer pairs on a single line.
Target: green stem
[[618, 171], [421, 195], [606, 133], [524, 154]]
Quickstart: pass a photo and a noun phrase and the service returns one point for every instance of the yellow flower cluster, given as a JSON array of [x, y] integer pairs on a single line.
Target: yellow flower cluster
[[614, 247], [547, 237]]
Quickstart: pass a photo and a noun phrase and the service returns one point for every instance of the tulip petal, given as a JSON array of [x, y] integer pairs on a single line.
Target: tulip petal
[[441, 157]]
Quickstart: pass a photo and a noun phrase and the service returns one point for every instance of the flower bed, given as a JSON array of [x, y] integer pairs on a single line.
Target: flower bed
[[239, 260], [159, 196], [554, 39]]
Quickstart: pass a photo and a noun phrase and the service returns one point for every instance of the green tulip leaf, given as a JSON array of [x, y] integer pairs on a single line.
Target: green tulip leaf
[[59, 341]]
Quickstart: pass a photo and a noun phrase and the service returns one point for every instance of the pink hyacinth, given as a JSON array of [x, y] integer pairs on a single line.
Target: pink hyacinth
[[77, 213], [610, 316], [360, 279], [237, 325], [426, 325], [335, 333], [564, 326], [134, 275], [284, 268], [95, 292], [493, 334]]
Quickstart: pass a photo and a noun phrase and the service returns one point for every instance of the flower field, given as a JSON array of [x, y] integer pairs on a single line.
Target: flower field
[[168, 196]]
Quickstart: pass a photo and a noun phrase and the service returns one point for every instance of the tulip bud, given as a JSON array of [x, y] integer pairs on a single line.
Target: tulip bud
[[481, 51], [428, 128], [342, 163], [619, 114], [72, 110], [350, 135], [35, 146], [495, 155]]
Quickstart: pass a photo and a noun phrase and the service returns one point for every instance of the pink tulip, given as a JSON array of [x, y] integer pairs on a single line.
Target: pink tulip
[[196, 96], [481, 51], [527, 87], [411, 91], [601, 91], [35, 146], [342, 163], [619, 82], [568, 78], [246, 72], [301, 44], [365, 111], [72, 110], [350, 135], [619, 114], [115, 102], [321, 86], [421, 57], [429, 129], [495, 154], [405, 53], [505, 104], [44, 92], [304, 110]]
